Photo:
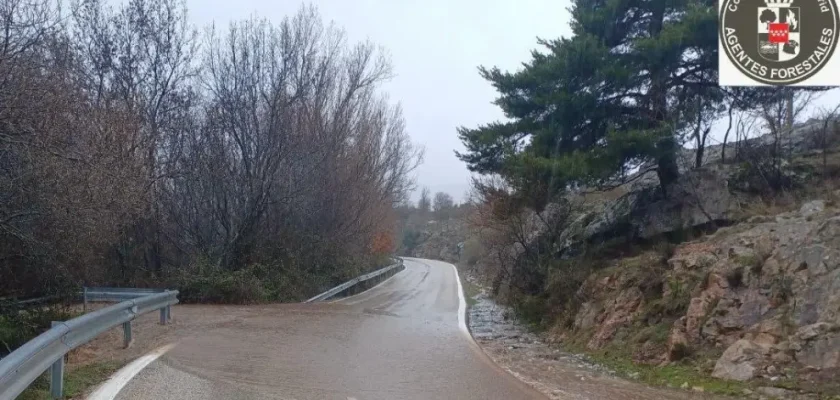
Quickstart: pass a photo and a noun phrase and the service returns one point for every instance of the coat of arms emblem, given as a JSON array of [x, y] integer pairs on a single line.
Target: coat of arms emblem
[[778, 30]]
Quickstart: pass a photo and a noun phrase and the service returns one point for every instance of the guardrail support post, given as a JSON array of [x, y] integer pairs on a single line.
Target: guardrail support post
[[169, 313], [57, 375], [84, 305], [127, 339], [163, 315]]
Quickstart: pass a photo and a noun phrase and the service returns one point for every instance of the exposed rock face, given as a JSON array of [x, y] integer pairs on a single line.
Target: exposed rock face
[[700, 197], [775, 393], [737, 361], [812, 207], [618, 312], [784, 306], [766, 292], [440, 240], [763, 291], [613, 301], [818, 345], [702, 305], [677, 341]]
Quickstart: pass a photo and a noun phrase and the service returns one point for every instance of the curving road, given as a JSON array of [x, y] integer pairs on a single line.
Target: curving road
[[404, 339]]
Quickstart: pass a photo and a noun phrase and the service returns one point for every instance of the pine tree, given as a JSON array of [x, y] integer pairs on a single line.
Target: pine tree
[[614, 96]]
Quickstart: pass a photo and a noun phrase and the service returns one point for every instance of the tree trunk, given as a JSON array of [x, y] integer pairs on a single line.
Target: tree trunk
[[667, 169], [700, 141], [789, 123], [698, 156], [726, 137]]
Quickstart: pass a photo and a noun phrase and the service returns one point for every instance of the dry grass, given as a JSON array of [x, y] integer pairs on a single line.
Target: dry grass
[[77, 381]]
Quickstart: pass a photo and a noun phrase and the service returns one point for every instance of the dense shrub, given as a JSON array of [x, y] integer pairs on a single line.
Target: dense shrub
[[220, 286], [19, 326], [410, 241], [472, 252], [259, 283], [534, 310]]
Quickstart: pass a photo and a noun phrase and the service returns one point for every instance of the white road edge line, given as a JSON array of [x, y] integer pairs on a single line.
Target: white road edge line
[[112, 387], [462, 304]]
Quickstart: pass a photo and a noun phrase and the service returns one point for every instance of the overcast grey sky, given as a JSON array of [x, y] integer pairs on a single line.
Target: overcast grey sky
[[435, 48]]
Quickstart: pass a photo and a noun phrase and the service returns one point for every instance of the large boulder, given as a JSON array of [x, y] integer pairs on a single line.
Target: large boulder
[[812, 207], [818, 345], [741, 361], [698, 198]]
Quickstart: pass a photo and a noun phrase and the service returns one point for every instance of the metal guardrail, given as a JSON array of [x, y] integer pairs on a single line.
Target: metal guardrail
[[353, 282], [46, 351], [21, 367], [88, 294], [115, 294]]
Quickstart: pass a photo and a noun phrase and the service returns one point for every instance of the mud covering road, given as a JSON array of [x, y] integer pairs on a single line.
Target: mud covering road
[[399, 340]]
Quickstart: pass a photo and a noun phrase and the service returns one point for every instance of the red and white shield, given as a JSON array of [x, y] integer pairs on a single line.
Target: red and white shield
[[778, 33]]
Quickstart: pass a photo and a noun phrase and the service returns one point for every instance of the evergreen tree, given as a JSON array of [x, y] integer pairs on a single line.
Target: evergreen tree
[[620, 93]]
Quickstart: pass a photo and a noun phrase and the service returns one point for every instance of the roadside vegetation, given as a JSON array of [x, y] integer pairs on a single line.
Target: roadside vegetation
[[17, 325], [608, 165], [471, 288], [247, 163], [77, 380], [684, 376]]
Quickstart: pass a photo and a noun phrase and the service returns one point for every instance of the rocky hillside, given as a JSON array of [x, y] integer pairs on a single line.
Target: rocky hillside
[[758, 300], [712, 194], [725, 276], [770, 297], [438, 240]]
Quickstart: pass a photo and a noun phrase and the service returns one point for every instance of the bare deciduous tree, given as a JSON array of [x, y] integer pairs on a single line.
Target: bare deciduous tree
[[443, 202], [825, 134], [424, 204], [132, 150]]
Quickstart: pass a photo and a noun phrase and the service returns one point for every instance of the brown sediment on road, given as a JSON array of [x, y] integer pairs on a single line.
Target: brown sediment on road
[[400, 340]]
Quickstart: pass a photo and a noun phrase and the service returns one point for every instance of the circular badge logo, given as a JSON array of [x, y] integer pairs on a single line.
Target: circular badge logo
[[779, 42]]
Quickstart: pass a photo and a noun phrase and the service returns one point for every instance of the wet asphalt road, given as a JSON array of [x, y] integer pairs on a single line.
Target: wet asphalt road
[[399, 340]]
